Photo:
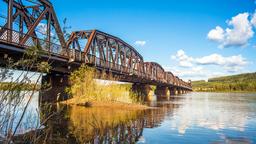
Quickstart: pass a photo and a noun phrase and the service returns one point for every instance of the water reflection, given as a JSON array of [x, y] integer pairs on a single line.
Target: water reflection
[[101, 125], [206, 118], [11, 112], [217, 118], [213, 111], [192, 118]]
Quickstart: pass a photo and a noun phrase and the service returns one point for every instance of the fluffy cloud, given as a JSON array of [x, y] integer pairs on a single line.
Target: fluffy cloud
[[193, 73], [183, 59], [213, 59], [239, 33], [42, 28], [140, 43], [217, 59], [232, 64], [216, 34], [199, 67]]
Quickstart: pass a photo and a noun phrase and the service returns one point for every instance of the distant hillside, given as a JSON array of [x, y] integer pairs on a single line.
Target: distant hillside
[[236, 83], [248, 77]]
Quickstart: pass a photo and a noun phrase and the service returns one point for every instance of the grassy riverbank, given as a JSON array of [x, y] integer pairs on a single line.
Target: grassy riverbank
[[86, 91], [236, 83]]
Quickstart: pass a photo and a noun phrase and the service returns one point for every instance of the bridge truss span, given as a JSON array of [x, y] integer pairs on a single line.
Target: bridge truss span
[[105, 51], [32, 22], [27, 23], [110, 53]]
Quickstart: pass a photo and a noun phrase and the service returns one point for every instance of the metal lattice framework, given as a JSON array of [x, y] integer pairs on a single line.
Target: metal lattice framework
[[34, 22], [155, 71], [105, 51]]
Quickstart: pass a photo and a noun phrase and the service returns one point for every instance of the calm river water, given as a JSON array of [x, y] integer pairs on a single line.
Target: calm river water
[[191, 118]]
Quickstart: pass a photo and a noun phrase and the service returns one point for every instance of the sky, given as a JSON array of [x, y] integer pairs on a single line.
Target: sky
[[194, 39]]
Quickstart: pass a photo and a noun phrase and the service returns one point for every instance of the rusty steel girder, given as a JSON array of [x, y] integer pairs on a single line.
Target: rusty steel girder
[[170, 78], [31, 22], [155, 71], [106, 51]]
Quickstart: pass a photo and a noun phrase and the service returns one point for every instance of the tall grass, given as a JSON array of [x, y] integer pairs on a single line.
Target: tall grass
[[84, 88]]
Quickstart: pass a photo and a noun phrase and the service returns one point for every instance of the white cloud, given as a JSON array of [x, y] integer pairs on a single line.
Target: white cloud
[[193, 73], [213, 59], [239, 33], [207, 66], [216, 34], [140, 43], [183, 59], [42, 28], [217, 59]]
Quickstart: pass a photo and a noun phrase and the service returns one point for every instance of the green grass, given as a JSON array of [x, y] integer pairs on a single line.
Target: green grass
[[236, 83]]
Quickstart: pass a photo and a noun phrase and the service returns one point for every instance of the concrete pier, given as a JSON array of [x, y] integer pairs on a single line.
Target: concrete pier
[[144, 91], [162, 92], [53, 88]]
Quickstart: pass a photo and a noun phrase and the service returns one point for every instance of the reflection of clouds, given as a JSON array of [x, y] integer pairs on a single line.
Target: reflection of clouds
[[210, 111], [232, 140], [31, 118]]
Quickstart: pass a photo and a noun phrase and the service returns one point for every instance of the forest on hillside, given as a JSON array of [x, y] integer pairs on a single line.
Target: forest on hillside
[[236, 83]]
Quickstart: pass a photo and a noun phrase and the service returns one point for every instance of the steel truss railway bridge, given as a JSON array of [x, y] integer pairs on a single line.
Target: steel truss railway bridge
[[26, 23]]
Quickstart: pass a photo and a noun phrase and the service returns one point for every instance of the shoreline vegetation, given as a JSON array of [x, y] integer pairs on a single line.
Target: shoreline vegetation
[[242, 83], [88, 92], [14, 86]]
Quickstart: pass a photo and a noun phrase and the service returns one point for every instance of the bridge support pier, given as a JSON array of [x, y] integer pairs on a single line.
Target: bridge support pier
[[162, 92], [172, 91], [144, 91], [180, 91], [176, 90], [53, 88]]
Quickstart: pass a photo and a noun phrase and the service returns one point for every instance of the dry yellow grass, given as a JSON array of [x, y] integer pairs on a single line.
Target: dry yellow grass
[[84, 89]]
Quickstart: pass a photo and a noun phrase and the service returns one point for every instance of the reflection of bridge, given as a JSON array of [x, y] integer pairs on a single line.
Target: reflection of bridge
[[28, 23]]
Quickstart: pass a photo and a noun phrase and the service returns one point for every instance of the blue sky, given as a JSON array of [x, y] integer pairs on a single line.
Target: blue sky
[[181, 35]]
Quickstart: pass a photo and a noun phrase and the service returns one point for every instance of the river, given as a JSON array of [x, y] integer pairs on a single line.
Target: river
[[190, 118]]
